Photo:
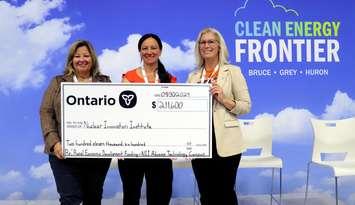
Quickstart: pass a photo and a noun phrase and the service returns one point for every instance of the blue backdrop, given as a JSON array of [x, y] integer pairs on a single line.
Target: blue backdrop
[[297, 58]]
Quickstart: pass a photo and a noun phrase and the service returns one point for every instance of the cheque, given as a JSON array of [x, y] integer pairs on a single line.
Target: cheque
[[101, 120]]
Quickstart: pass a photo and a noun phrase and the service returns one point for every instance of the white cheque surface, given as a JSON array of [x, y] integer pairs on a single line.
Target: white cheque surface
[[105, 120]]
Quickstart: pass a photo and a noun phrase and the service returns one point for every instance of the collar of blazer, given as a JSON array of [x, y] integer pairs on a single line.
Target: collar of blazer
[[223, 71], [69, 78]]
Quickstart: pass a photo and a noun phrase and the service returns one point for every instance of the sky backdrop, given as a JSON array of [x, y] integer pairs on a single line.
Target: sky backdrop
[[35, 37]]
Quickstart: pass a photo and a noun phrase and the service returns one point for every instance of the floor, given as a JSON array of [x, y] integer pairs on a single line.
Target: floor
[[288, 199]]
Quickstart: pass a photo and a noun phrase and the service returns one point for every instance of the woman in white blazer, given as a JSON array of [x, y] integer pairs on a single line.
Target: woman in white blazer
[[216, 176]]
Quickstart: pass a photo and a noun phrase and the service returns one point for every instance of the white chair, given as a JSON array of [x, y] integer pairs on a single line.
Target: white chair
[[257, 134], [335, 137], [182, 163]]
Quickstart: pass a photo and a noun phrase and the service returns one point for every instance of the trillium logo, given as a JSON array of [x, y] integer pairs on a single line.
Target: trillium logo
[[128, 99]]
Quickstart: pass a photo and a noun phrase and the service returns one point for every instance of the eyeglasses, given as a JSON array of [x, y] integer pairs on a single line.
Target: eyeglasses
[[208, 42]]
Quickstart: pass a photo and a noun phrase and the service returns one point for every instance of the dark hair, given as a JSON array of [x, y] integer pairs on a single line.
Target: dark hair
[[164, 76]]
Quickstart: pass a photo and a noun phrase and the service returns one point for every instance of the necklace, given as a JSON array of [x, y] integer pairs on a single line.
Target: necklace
[[75, 79], [146, 78]]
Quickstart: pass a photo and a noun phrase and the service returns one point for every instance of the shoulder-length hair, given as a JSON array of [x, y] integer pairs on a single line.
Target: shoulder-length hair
[[223, 51], [69, 69]]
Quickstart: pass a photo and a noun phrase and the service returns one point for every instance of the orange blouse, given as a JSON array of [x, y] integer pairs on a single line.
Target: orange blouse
[[209, 74], [133, 77]]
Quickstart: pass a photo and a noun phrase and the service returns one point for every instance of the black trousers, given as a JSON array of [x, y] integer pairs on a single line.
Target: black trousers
[[216, 178], [158, 175], [79, 180]]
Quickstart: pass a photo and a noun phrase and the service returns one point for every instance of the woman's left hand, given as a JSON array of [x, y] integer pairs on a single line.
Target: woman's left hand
[[217, 91]]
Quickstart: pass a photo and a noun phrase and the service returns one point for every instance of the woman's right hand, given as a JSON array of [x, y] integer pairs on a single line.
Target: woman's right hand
[[57, 150]]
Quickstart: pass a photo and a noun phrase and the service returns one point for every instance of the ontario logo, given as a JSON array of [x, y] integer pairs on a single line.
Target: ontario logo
[[128, 99]]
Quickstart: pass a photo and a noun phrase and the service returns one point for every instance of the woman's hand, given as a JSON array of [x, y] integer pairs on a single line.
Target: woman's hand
[[217, 92], [57, 150]]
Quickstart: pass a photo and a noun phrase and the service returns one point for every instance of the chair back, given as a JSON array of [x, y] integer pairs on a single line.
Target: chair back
[[181, 163], [257, 134], [333, 136]]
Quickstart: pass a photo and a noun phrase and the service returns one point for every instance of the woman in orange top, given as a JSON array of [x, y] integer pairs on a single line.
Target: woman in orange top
[[158, 172]]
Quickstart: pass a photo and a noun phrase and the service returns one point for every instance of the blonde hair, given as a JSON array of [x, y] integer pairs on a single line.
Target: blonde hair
[[69, 69], [222, 53]]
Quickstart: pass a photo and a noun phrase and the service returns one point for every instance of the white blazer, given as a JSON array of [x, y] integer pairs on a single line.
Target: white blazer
[[229, 139]]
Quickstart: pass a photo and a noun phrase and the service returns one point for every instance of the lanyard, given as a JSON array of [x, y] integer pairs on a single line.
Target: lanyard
[[146, 78], [209, 78]]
